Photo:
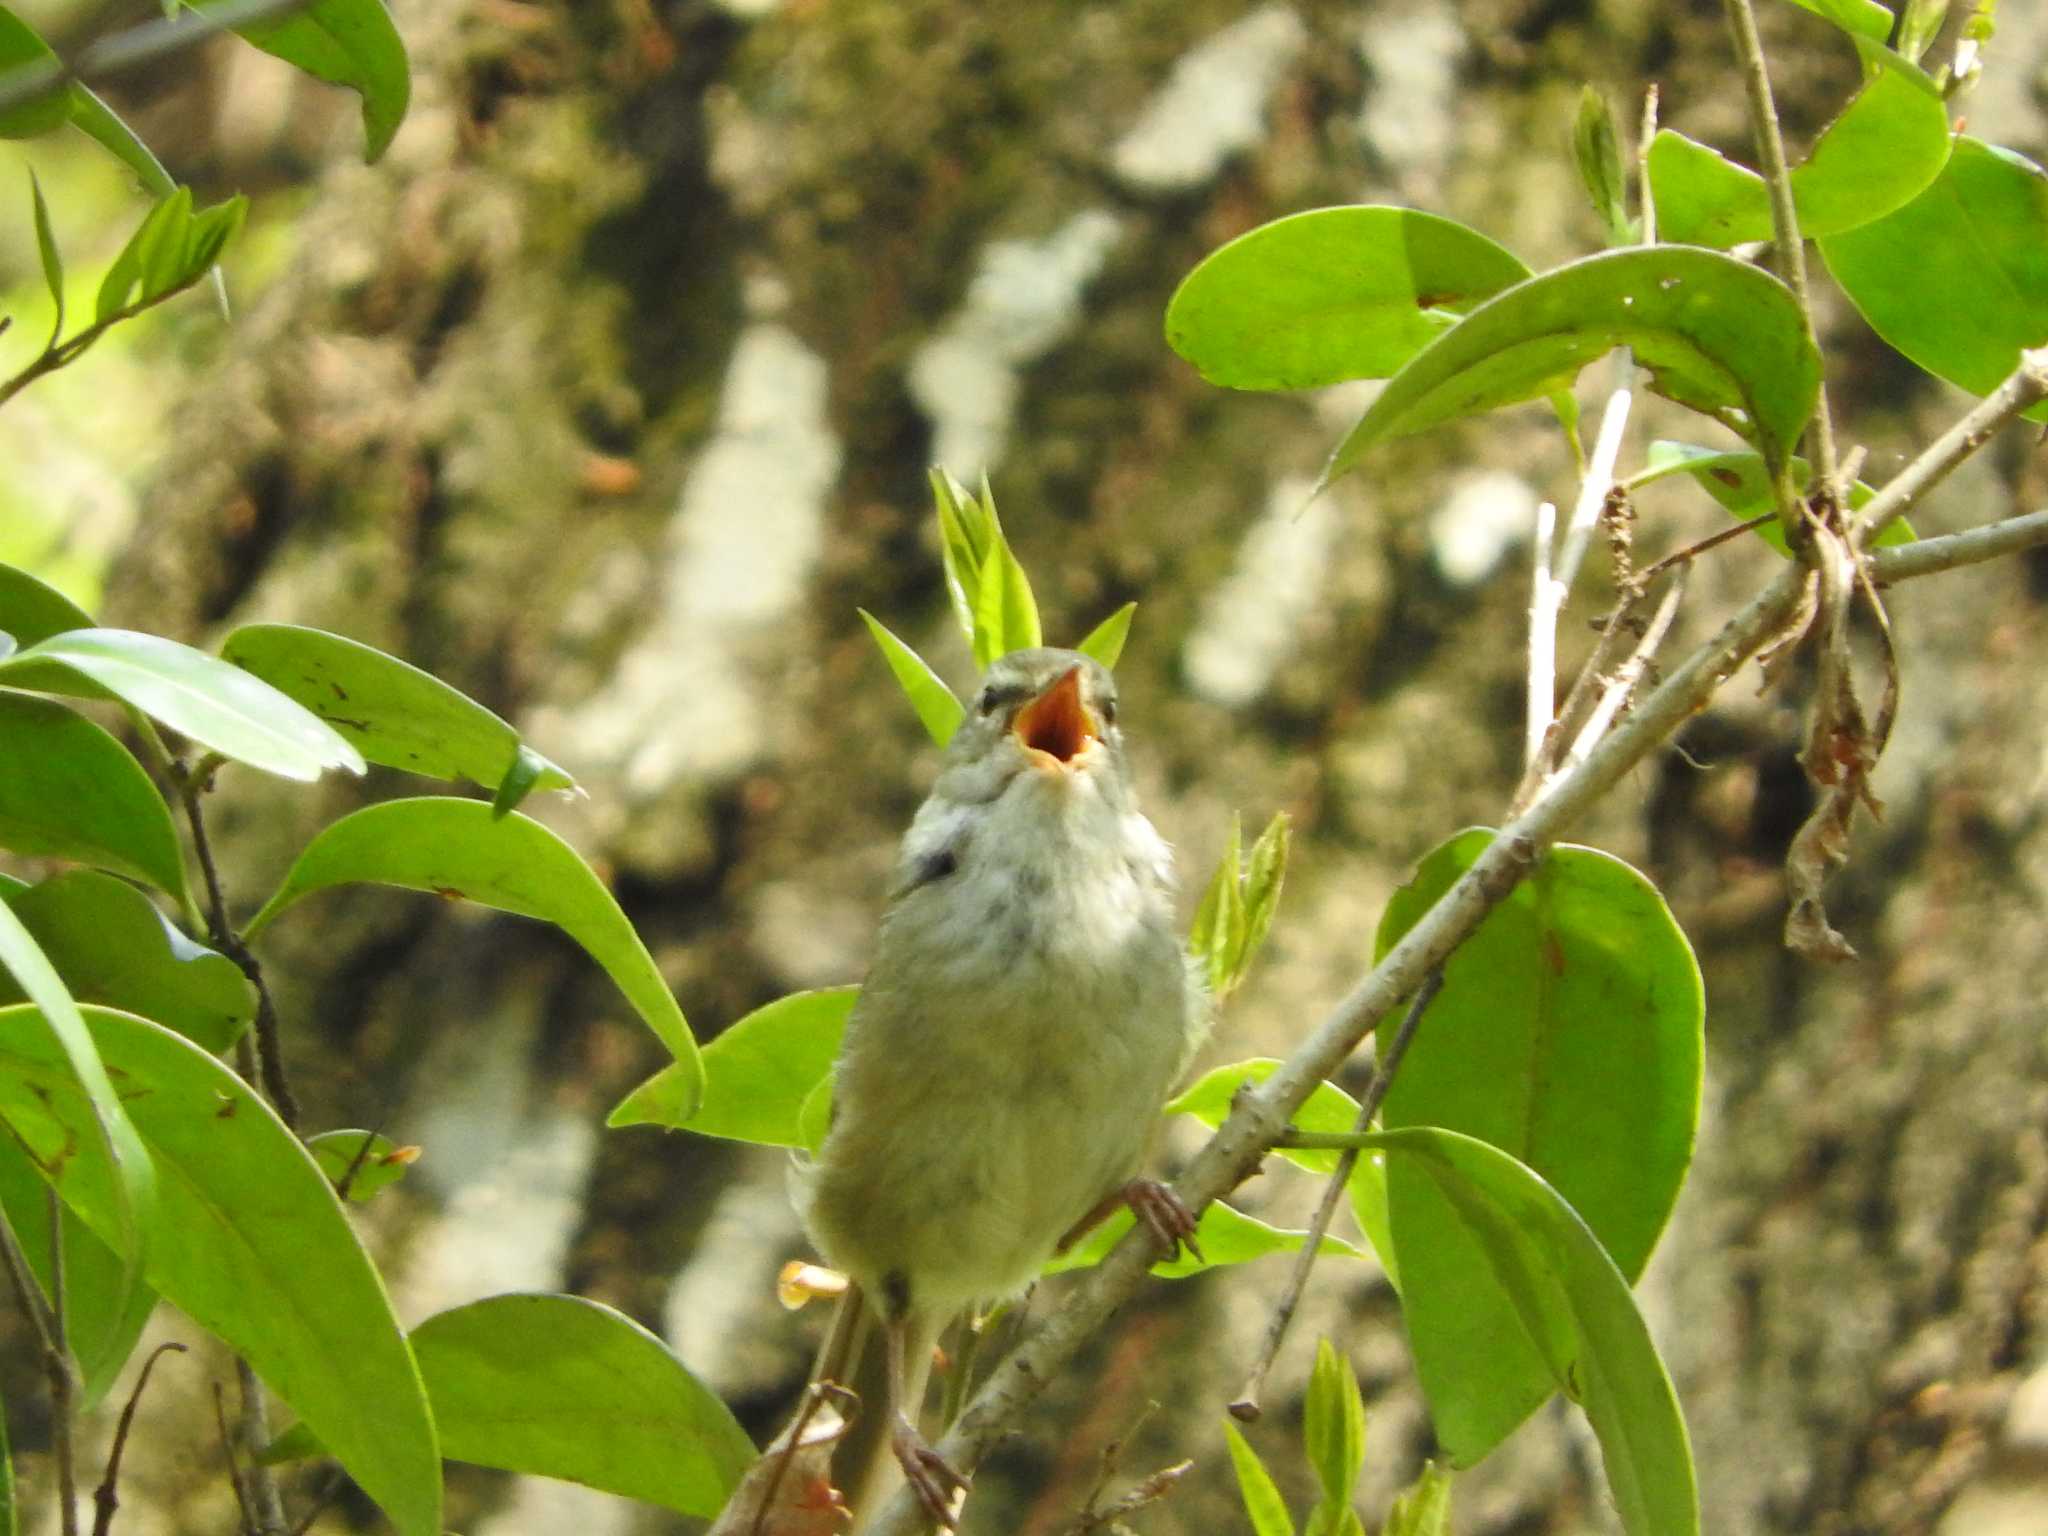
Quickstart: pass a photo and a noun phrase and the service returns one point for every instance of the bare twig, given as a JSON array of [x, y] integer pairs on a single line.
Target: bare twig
[[2026, 386], [1953, 551], [136, 46], [1624, 681], [46, 1318], [227, 1451], [1246, 1405], [1791, 249], [1645, 137], [106, 1498]]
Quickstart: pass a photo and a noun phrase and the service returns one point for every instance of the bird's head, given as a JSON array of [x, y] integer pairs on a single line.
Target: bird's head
[[1046, 713]]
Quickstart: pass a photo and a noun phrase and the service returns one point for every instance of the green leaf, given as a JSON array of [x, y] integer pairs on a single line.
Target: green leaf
[[106, 1307], [1331, 294], [563, 1387], [1865, 19], [1327, 1519], [1424, 1507], [245, 1237], [1596, 147], [1265, 871], [195, 694], [32, 610], [1334, 1425], [1219, 916], [1919, 25], [936, 707], [1262, 1499], [1739, 483], [111, 946], [1716, 335], [1225, 1234], [71, 791], [389, 710], [20, 49], [521, 779], [1328, 1110], [46, 250], [1981, 231], [966, 532], [367, 1160], [458, 849], [1576, 1312], [97, 120], [1887, 147], [1568, 1033], [1105, 642], [350, 43], [757, 1074], [160, 246], [1005, 613]]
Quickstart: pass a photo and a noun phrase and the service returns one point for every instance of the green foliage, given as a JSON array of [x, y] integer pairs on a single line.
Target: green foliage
[[1237, 907], [940, 712], [389, 710], [1262, 1499], [1331, 294], [1575, 1311], [1596, 148], [1334, 1428], [349, 43], [32, 611], [244, 1236], [1568, 1033], [1224, 1234], [757, 1075], [112, 946], [1739, 483], [1982, 230], [1887, 147], [359, 1163], [1713, 333], [458, 849]]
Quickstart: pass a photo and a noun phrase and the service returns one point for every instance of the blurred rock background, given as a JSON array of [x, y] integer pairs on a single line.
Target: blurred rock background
[[610, 392]]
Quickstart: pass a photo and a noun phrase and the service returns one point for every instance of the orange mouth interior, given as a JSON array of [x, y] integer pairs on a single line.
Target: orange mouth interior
[[1056, 722]]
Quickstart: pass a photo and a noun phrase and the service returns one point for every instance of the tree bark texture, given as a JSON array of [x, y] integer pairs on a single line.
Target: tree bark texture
[[610, 394]]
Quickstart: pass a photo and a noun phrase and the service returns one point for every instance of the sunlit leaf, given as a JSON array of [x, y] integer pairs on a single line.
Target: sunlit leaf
[[350, 43], [1333, 1424], [1105, 642], [1262, 1501], [937, 708], [364, 1160], [1225, 1235], [31, 610]]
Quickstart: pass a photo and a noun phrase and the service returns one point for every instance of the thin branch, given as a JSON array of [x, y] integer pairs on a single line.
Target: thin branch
[[1791, 249], [2025, 387], [106, 1498], [1647, 134], [1246, 1405], [1952, 551], [1593, 488], [46, 1318], [1624, 681], [227, 1450], [136, 46]]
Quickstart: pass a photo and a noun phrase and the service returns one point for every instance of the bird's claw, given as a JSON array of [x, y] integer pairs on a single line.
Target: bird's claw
[[935, 1481], [1166, 1214]]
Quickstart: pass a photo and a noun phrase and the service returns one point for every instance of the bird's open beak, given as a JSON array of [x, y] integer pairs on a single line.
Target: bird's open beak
[[1057, 723]]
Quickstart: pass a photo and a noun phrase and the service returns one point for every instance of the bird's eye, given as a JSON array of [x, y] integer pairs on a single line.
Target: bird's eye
[[985, 705], [1109, 710]]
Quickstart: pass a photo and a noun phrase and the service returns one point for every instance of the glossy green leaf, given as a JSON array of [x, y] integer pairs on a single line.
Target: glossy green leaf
[[105, 1306], [757, 1074], [31, 610], [113, 947], [1568, 1033], [22, 48], [1105, 642], [1713, 333], [1262, 1501], [1866, 19], [458, 849], [1596, 148], [940, 712], [71, 791], [98, 121], [1887, 147], [967, 529], [1331, 294], [1328, 1110], [366, 1160], [1265, 872], [1575, 1311], [1424, 1507], [563, 1387], [1219, 915], [349, 43], [1225, 1234], [196, 695], [245, 1237], [1979, 237], [1919, 24], [46, 252], [1333, 1425], [1738, 482], [389, 710], [1005, 613]]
